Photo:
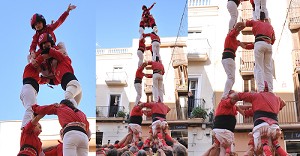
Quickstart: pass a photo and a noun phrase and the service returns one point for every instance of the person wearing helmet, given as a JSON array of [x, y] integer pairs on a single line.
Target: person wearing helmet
[[63, 72], [38, 23], [147, 19]]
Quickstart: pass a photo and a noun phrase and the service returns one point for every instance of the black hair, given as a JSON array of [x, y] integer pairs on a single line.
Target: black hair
[[154, 149], [117, 141], [169, 143], [69, 104]]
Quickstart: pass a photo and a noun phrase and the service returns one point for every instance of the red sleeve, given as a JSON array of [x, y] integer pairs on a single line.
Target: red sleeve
[[34, 43], [148, 75], [145, 35], [249, 46], [227, 103], [140, 69], [149, 62], [234, 33], [246, 96], [39, 60], [150, 7], [51, 151], [57, 23], [149, 47], [57, 54], [248, 113], [249, 23], [47, 109], [148, 105], [29, 127]]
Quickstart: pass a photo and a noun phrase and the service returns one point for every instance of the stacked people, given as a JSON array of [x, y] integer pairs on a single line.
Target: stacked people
[[265, 104], [50, 64]]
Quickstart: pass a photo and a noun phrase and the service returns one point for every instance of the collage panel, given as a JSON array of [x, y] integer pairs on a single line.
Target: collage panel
[[27, 82], [141, 72]]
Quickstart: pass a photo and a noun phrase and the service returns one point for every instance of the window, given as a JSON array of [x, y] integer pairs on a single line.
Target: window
[[193, 86], [99, 137], [114, 105]]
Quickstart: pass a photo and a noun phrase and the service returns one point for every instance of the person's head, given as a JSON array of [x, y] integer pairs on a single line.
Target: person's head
[[38, 129], [127, 153], [45, 41], [168, 152], [69, 104], [183, 142], [141, 153], [117, 141], [144, 7], [112, 152], [133, 149], [37, 22], [179, 150]]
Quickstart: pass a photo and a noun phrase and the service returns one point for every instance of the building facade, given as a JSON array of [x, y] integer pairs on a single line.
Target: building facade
[[208, 24]]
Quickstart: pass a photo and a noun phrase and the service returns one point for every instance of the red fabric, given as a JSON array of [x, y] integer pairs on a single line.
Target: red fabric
[[231, 41], [63, 65], [142, 45], [147, 11], [248, 113], [253, 5], [262, 101], [136, 111], [225, 107], [48, 29], [153, 36], [30, 138], [55, 151], [139, 72], [31, 72], [64, 113], [158, 107], [157, 66], [249, 46], [263, 28]]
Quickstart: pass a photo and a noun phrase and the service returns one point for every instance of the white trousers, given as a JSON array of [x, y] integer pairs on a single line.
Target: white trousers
[[138, 88], [263, 65], [256, 132], [232, 9], [76, 143], [73, 92], [140, 54], [222, 135], [155, 49], [158, 87], [229, 67], [28, 97], [261, 6]]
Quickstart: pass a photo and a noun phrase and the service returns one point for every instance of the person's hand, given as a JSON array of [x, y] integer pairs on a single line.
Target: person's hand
[[71, 7], [154, 3], [264, 132]]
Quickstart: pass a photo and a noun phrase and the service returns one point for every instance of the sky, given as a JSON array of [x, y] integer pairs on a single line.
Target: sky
[[78, 33], [118, 21]]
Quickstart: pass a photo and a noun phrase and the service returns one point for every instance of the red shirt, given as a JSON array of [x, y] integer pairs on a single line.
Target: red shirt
[[147, 11], [136, 111], [153, 36], [48, 29], [231, 42], [55, 151], [262, 101], [63, 65], [28, 137], [157, 66], [225, 107], [31, 72], [158, 107], [263, 28], [139, 73], [142, 45], [64, 113]]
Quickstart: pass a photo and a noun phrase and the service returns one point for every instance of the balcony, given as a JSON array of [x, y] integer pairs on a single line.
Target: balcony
[[181, 86], [112, 51], [247, 63], [296, 60], [294, 15], [148, 85], [116, 79], [179, 57], [287, 116], [198, 49], [172, 115], [109, 113]]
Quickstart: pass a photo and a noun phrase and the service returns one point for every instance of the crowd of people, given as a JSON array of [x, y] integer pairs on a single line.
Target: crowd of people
[[51, 65], [265, 105], [159, 140]]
